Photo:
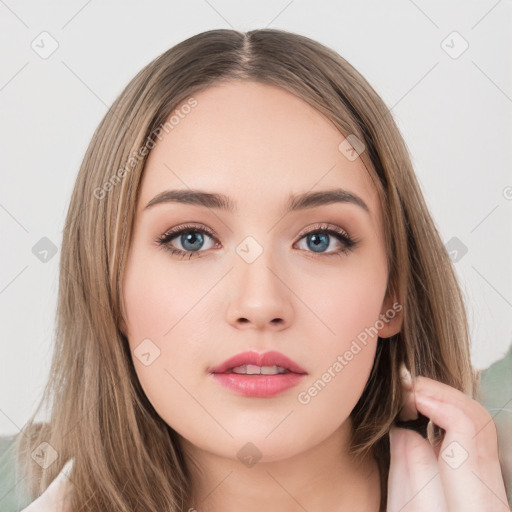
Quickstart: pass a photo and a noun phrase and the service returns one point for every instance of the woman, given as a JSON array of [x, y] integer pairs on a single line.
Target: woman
[[248, 267]]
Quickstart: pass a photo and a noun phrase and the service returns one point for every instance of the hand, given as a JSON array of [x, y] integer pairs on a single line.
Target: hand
[[460, 474], [52, 499]]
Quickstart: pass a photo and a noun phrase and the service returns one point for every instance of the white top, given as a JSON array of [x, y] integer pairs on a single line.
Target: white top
[[52, 500]]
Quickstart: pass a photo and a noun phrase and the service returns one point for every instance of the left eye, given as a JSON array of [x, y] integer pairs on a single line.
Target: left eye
[[320, 239], [191, 239]]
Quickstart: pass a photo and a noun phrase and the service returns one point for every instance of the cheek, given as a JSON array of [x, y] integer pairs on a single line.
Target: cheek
[[158, 297], [165, 317], [344, 329], [347, 304], [342, 363]]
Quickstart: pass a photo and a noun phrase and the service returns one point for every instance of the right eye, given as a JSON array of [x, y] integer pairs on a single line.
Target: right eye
[[190, 237]]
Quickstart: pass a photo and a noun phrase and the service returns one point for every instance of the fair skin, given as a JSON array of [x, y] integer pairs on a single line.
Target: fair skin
[[259, 144]]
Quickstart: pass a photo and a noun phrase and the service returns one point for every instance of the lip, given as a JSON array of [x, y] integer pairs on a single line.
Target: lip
[[271, 358], [258, 386]]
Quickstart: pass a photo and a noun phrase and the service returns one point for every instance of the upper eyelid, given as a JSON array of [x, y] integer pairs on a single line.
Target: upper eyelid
[[324, 226], [186, 227]]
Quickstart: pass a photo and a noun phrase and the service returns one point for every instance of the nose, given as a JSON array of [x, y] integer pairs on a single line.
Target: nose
[[261, 296]]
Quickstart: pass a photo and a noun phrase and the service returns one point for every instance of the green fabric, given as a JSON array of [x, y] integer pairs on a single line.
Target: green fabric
[[12, 498], [495, 396]]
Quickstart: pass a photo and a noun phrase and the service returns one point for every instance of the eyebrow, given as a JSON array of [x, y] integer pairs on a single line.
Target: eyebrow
[[222, 202]]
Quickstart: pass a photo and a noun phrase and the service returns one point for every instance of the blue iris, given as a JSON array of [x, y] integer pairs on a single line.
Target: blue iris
[[192, 238], [317, 242]]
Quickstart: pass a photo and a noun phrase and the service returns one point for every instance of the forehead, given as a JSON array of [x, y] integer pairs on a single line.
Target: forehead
[[256, 143]]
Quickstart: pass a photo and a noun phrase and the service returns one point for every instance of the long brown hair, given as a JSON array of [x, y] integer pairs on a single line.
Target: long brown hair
[[126, 457]]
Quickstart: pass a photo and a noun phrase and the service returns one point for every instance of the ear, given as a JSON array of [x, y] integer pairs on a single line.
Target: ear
[[390, 316]]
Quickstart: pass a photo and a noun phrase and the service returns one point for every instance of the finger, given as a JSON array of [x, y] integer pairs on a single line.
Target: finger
[[448, 394], [408, 410], [471, 482], [414, 483], [482, 422], [408, 416]]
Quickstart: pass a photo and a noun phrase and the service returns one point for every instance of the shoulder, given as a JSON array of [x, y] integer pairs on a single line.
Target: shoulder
[[54, 498]]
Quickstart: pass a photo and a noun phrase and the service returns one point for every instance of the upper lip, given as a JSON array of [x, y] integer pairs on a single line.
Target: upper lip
[[271, 358]]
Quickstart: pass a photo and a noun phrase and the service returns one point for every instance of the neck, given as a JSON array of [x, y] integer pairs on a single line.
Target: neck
[[325, 477]]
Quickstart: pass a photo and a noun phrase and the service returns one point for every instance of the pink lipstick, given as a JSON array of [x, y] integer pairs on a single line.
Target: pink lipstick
[[257, 374]]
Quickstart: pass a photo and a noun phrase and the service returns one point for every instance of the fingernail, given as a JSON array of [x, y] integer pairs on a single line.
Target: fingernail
[[405, 376]]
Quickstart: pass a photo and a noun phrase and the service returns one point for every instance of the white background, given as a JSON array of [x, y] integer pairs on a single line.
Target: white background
[[454, 113]]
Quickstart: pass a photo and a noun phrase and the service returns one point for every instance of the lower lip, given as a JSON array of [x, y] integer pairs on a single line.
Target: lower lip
[[261, 386]]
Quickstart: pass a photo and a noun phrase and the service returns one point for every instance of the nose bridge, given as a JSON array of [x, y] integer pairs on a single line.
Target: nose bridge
[[255, 267], [260, 296]]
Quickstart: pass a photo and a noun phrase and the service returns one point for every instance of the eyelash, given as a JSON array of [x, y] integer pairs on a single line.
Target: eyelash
[[164, 240]]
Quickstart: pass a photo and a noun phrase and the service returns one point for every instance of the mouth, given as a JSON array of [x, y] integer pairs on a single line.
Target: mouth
[[252, 369], [257, 375]]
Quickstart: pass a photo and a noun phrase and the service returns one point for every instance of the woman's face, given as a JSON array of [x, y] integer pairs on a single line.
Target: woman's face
[[263, 278]]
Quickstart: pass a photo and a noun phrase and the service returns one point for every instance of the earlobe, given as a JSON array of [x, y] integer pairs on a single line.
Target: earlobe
[[391, 328]]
